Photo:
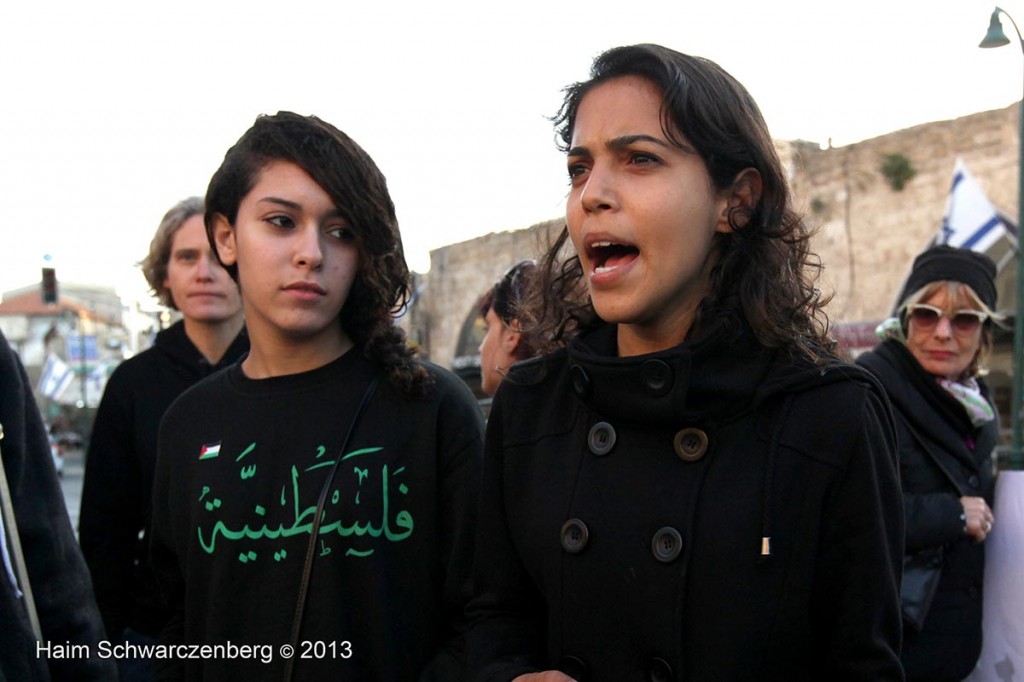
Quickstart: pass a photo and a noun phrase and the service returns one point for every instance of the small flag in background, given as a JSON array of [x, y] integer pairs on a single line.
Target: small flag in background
[[55, 378], [970, 221]]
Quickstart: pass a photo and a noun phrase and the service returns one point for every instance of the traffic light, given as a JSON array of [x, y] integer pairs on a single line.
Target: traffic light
[[49, 285]]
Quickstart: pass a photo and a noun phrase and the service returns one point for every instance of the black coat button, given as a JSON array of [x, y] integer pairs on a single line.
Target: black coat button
[[657, 377], [580, 381], [666, 544], [659, 671], [601, 438], [973, 480], [690, 444], [574, 536], [573, 667]]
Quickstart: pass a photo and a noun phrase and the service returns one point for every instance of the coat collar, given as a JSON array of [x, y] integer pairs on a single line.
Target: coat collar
[[926, 406], [909, 375], [714, 377]]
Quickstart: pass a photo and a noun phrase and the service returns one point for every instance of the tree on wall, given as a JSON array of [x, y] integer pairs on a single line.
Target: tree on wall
[[897, 170]]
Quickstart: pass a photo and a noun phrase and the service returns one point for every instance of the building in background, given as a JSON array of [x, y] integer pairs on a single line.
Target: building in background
[[71, 346]]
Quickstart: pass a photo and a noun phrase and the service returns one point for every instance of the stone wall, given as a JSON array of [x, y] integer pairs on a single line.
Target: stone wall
[[868, 232], [459, 276]]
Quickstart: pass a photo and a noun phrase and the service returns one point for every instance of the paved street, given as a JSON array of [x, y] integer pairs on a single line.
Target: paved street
[[71, 483]]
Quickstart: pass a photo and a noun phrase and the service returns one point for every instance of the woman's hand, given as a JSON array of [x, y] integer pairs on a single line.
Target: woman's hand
[[546, 676], [977, 518]]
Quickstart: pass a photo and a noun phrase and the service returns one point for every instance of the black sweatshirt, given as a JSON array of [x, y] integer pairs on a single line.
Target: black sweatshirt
[[241, 466], [116, 494]]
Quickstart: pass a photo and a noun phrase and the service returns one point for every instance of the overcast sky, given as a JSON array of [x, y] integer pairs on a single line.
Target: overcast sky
[[113, 111]]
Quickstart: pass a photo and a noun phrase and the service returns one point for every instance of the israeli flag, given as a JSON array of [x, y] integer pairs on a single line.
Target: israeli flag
[[56, 377], [970, 220]]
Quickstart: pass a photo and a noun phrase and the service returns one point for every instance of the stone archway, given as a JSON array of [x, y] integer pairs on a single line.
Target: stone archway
[[459, 276], [466, 362]]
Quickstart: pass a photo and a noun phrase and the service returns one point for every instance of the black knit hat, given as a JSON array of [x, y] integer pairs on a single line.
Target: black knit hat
[[942, 263]]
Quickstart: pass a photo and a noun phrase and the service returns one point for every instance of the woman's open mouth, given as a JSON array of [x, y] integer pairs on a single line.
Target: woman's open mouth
[[606, 256]]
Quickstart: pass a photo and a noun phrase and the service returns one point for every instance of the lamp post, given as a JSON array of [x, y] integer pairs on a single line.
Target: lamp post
[[996, 38]]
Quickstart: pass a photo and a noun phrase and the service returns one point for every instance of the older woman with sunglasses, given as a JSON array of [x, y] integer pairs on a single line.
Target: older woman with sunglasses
[[930, 363]]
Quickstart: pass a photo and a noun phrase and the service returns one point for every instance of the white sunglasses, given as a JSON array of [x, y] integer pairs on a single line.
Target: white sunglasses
[[926, 316]]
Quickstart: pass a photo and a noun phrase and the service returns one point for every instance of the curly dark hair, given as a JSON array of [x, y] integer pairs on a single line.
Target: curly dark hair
[[359, 191], [765, 275]]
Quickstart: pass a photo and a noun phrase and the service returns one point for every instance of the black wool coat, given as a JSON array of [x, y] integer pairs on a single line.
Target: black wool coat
[[950, 643], [58, 576], [715, 511]]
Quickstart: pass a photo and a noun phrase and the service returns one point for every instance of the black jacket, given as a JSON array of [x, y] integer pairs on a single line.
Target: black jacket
[[58, 576], [116, 493], [627, 501], [950, 643]]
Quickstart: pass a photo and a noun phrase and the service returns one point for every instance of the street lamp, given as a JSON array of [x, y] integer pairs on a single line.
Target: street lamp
[[996, 38]]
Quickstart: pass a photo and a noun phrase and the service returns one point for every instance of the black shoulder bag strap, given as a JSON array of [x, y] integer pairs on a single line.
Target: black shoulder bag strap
[[938, 462], [314, 532]]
